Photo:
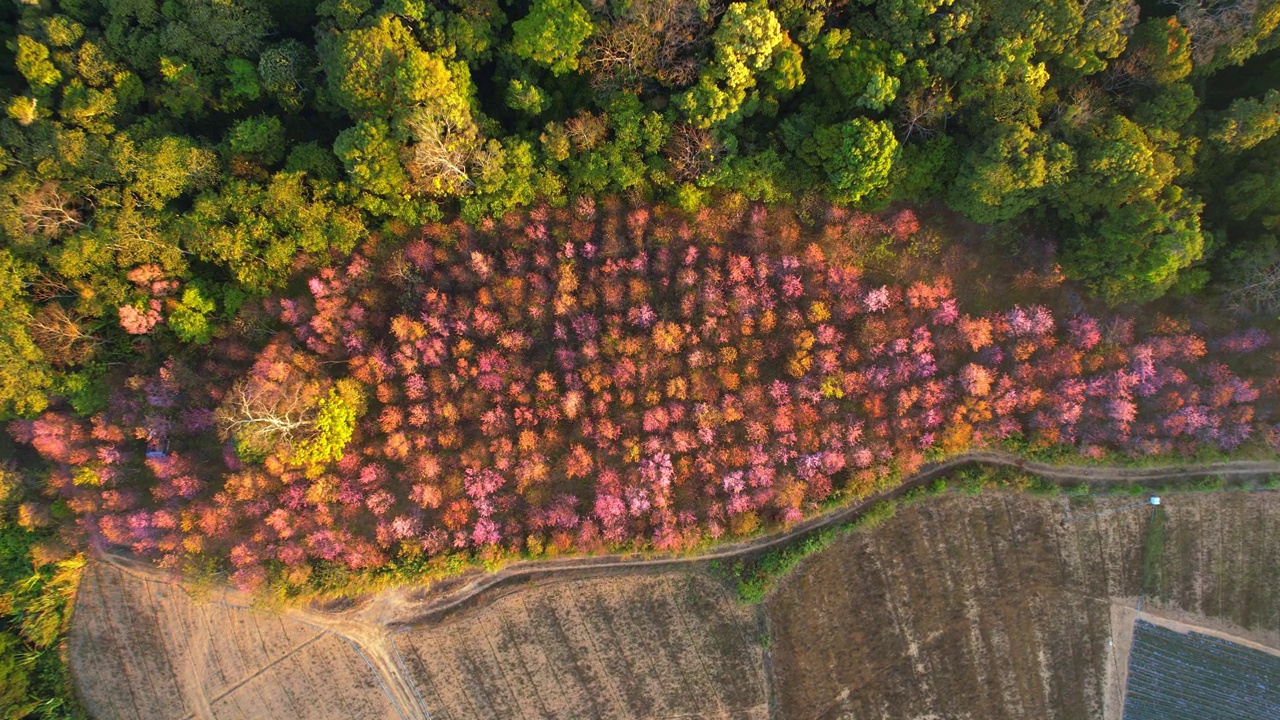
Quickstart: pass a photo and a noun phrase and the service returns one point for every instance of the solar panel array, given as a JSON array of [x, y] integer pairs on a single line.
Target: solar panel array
[[1189, 676]]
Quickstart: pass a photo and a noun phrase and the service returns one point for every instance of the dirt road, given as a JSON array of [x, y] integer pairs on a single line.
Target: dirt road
[[401, 607]]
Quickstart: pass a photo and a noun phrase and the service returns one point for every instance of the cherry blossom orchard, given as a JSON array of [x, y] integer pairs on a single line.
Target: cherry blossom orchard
[[586, 378]]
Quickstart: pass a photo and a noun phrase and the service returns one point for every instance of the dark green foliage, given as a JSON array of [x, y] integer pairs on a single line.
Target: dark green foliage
[[1249, 121], [1009, 171], [857, 157], [284, 71], [756, 578], [258, 138], [1136, 250], [1161, 50], [258, 230]]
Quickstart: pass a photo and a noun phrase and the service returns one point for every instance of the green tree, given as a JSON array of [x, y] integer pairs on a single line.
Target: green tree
[[381, 69], [242, 84], [1138, 248], [207, 32], [317, 162], [925, 169], [331, 427], [1168, 109], [1117, 164], [258, 231], [283, 68], [855, 72], [744, 46], [33, 62], [190, 317], [523, 95], [88, 108], [260, 138], [473, 27], [168, 167], [24, 375], [552, 34], [857, 157], [1006, 173], [1160, 49], [1249, 121], [184, 91], [513, 180], [1075, 38], [371, 159], [62, 31]]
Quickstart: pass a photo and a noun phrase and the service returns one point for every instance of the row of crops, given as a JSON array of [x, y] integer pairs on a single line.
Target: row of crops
[[1177, 676]]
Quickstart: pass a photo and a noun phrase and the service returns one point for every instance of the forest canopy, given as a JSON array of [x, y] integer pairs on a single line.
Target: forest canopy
[[292, 287], [160, 163]]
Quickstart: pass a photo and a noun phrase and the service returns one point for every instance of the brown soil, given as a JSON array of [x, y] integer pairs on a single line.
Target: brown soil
[[143, 648], [998, 607], [648, 646]]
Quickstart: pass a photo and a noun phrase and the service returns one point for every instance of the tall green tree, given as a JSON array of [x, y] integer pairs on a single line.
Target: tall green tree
[[259, 231], [1008, 171], [381, 69], [857, 157], [24, 375], [1248, 122], [1139, 248], [552, 34], [745, 45]]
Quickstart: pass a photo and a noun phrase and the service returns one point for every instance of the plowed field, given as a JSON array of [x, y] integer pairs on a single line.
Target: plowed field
[[999, 606], [646, 646], [145, 649]]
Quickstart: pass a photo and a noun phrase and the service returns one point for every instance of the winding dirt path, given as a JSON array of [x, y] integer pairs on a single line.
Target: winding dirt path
[[403, 608], [371, 625]]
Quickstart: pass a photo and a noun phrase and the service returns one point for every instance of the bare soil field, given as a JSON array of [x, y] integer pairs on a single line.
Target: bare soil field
[[144, 649], [1000, 606], [643, 645], [671, 645]]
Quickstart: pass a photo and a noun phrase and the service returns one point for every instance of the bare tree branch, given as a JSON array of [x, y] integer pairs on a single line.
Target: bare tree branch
[[48, 211], [264, 416], [445, 154], [651, 41], [61, 336]]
